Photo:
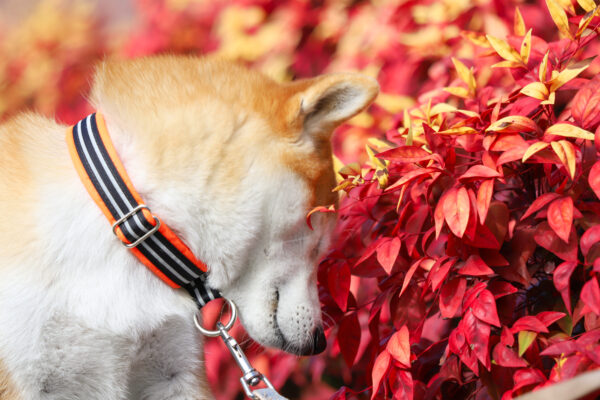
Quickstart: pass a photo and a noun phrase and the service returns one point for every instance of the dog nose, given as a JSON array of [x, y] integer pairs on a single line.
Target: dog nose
[[319, 341]]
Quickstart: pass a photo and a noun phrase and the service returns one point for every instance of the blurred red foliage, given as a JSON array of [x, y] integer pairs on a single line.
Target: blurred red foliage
[[467, 253]]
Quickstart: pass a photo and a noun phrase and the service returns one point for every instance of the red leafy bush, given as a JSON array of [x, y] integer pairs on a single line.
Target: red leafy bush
[[474, 230]]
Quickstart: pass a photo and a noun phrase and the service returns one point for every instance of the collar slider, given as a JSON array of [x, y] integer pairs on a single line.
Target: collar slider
[[130, 214]]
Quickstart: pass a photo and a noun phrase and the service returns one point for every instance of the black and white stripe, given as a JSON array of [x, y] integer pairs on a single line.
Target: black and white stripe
[[119, 201]]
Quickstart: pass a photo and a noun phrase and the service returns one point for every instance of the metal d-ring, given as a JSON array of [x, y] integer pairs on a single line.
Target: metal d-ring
[[227, 326]]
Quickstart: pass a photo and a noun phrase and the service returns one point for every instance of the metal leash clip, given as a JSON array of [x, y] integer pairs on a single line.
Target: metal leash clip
[[250, 376]]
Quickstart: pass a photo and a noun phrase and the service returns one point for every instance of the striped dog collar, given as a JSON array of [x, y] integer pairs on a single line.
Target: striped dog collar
[[148, 238]]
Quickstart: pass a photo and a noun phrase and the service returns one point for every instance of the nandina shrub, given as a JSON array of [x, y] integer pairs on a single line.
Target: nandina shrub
[[467, 255]]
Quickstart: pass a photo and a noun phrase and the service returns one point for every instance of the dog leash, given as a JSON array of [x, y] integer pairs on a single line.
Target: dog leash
[[148, 238]]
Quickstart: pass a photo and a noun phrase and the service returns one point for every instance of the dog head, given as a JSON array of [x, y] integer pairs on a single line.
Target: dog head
[[233, 161]]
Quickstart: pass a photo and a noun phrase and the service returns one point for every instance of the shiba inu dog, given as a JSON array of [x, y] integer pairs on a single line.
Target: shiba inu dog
[[232, 161]]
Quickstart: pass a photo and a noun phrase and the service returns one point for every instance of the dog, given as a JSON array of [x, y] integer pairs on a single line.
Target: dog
[[232, 161]]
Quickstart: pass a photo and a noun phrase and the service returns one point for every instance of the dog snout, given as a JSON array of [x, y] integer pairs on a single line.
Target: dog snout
[[315, 346]]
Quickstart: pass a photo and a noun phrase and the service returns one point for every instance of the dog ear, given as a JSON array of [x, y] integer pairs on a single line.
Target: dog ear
[[332, 99]]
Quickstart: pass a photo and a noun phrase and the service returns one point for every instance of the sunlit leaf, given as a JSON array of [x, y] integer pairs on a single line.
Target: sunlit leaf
[[504, 50], [534, 148], [568, 130], [465, 74], [587, 5], [543, 71], [525, 339], [537, 90], [526, 47], [458, 91], [569, 73], [519, 23], [559, 16]]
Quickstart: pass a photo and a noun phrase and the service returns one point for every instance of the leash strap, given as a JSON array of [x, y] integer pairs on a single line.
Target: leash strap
[[148, 238]]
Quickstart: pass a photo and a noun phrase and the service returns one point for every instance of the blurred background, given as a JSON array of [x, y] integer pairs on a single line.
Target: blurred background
[[48, 49]]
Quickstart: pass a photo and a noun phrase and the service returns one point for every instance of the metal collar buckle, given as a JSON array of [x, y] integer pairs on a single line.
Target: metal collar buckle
[[130, 214]]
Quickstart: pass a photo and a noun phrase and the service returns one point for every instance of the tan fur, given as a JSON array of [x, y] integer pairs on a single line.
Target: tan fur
[[7, 388]]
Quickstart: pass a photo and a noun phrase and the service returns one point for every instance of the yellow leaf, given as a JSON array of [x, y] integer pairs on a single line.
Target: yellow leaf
[[442, 108], [408, 124], [378, 163], [476, 38], [537, 90], [560, 152], [525, 339], [381, 144], [519, 24], [463, 130], [551, 99], [569, 73], [514, 122], [534, 148], [504, 49], [568, 130], [465, 74], [569, 151], [526, 47], [507, 64], [559, 16], [587, 5], [458, 91], [394, 103], [567, 5], [544, 67], [585, 21], [352, 169]]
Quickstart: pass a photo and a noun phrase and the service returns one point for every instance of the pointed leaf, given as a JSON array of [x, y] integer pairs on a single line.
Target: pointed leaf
[[484, 308], [478, 172], [506, 357], [525, 339], [539, 203], [543, 71], [519, 23], [560, 17], [456, 210], [548, 239], [380, 368], [568, 130], [589, 238], [387, 252], [587, 5], [477, 334], [534, 148], [475, 266], [561, 278], [560, 217], [399, 347], [569, 73], [566, 154], [484, 197], [451, 296], [526, 47], [585, 107], [528, 323], [594, 178], [513, 124], [504, 49], [338, 282], [537, 90], [349, 337], [590, 295]]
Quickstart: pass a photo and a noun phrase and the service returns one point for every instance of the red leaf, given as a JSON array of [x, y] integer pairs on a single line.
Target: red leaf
[[539, 203], [509, 141], [528, 323], [409, 275], [585, 107], [484, 197], [501, 289], [408, 154], [451, 296], [438, 273], [560, 217], [590, 295], [323, 209], [547, 238], [484, 308], [387, 252], [399, 347], [566, 347], [456, 210], [410, 176], [479, 172], [561, 278], [506, 357], [477, 334], [382, 363], [349, 337], [589, 238], [403, 389], [507, 338], [526, 377], [475, 266], [549, 317], [338, 282], [594, 177], [512, 154]]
